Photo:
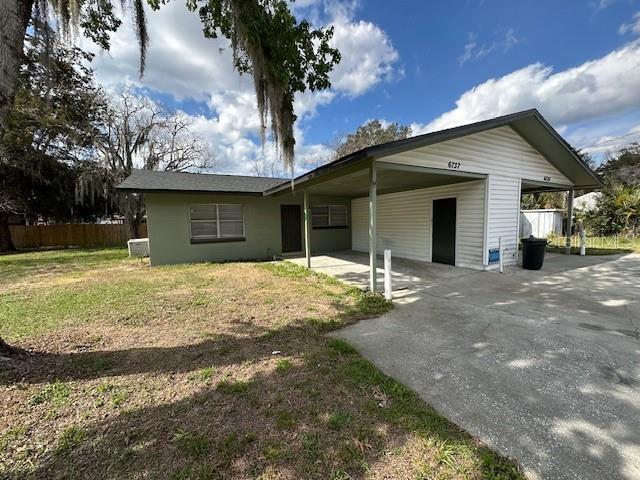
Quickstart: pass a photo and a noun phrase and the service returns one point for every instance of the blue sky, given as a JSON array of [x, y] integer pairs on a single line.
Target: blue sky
[[430, 38], [428, 64]]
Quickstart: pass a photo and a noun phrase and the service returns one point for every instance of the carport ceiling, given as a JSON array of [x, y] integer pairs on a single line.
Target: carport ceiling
[[356, 184]]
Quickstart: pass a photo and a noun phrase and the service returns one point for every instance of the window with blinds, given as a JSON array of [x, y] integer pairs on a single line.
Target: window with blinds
[[212, 222], [329, 216]]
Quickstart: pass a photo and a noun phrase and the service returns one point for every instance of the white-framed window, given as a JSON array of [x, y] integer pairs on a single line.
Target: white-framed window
[[329, 216], [216, 222]]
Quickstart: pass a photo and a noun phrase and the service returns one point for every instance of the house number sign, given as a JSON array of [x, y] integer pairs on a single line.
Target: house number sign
[[454, 165]]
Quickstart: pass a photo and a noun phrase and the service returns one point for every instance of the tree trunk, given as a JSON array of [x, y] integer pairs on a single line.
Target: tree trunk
[[14, 18], [133, 208], [134, 227], [6, 244]]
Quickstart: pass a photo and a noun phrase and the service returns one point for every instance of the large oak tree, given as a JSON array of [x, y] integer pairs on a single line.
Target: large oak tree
[[138, 133], [52, 128], [283, 55]]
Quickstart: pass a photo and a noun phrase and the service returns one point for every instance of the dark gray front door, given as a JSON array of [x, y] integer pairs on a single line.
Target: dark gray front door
[[443, 244], [291, 228]]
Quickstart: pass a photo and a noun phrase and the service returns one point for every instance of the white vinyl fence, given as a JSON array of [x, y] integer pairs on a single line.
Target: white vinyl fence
[[541, 223]]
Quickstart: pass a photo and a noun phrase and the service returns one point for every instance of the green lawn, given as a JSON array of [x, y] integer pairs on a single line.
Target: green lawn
[[202, 372]]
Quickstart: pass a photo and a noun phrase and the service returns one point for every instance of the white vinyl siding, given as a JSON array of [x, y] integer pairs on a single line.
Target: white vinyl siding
[[507, 159], [404, 222], [500, 151], [504, 215]]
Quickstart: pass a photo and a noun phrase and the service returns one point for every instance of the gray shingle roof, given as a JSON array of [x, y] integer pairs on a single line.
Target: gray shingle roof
[[151, 181]]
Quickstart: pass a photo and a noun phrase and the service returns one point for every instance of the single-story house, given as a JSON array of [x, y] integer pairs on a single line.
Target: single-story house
[[450, 196]]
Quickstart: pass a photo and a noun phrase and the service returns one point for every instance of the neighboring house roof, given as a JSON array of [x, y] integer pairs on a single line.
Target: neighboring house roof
[[587, 201], [529, 124], [152, 181]]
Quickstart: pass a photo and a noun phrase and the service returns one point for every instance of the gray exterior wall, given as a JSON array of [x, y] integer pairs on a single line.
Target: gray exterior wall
[[169, 239]]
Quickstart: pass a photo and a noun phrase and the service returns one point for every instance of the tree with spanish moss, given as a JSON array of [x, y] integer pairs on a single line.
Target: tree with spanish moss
[[138, 133], [52, 128], [284, 55], [50, 133]]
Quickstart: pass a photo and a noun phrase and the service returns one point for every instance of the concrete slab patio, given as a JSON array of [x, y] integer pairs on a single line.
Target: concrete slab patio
[[542, 366]]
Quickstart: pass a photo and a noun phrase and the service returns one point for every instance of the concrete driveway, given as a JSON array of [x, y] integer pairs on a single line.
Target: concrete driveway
[[542, 366]]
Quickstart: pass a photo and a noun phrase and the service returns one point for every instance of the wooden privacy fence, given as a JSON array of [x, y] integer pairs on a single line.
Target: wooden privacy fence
[[72, 235]]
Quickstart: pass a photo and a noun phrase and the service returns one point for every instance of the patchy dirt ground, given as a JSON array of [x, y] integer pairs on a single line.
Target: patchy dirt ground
[[202, 372]]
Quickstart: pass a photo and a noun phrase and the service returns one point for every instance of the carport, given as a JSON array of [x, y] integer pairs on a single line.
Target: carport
[[449, 197], [369, 179]]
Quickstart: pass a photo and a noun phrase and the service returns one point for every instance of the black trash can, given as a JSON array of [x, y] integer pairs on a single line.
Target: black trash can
[[533, 252]]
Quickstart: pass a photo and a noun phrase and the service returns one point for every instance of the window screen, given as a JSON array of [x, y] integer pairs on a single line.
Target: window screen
[[329, 216], [320, 216], [231, 222], [215, 221], [338, 215]]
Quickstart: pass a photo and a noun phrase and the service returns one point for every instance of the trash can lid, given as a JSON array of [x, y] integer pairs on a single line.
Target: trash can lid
[[534, 240]]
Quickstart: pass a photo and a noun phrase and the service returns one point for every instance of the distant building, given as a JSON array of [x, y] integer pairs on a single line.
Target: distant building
[[587, 201]]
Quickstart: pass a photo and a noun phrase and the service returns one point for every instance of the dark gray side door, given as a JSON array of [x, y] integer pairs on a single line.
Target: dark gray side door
[[443, 242]]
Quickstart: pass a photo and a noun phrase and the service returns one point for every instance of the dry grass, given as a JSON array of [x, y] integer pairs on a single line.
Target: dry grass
[[597, 245], [202, 372]]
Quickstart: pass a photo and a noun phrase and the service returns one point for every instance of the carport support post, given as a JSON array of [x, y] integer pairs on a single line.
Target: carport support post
[[567, 245], [373, 267], [307, 230]]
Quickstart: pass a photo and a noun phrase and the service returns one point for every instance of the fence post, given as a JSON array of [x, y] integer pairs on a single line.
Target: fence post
[[387, 275]]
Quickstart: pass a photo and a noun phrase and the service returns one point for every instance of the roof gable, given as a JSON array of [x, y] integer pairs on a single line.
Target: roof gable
[[498, 151]]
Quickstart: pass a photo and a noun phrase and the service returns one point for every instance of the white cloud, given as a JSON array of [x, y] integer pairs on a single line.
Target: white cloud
[[368, 57], [631, 27], [180, 60], [474, 52], [607, 143], [609, 85], [603, 4], [183, 64]]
